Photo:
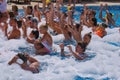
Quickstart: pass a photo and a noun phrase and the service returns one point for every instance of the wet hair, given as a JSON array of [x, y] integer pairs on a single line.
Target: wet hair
[[22, 57], [30, 7], [89, 34], [14, 8], [11, 14], [93, 12], [45, 27], [77, 26], [104, 25], [65, 14], [35, 7], [34, 20], [82, 45], [19, 23], [36, 33], [95, 21], [29, 17]]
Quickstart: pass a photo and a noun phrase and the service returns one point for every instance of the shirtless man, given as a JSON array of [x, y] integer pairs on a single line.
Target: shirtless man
[[43, 46], [15, 33], [33, 65]]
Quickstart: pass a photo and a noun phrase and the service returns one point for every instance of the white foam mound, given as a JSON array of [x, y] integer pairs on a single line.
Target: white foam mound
[[106, 62]]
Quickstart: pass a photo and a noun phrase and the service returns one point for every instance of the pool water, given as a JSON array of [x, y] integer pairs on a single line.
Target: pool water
[[115, 10]]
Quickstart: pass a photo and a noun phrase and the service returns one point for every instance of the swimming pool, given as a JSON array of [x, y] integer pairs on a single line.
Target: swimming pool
[[102, 65], [113, 9]]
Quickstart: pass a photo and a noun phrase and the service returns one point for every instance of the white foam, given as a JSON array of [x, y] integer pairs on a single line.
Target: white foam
[[104, 64]]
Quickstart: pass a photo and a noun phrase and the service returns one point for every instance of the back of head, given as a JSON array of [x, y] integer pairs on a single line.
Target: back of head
[[82, 45], [22, 57], [35, 20], [44, 27], [89, 34], [14, 8], [95, 21], [36, 33], [77, 26], [11, 14]]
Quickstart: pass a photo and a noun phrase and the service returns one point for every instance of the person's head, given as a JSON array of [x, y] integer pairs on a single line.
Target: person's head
[[80, 47], [87, 38], [29, 10], [34, 22], [4, 17], [77, 26], [23, 57], [94, 21], [36, 7], [13, 22], [29, 20], [11, 15], [15, 9], [104, 25], [43, 29], [34, 34]]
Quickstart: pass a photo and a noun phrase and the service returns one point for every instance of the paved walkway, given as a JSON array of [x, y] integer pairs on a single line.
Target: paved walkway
[[40, 4]]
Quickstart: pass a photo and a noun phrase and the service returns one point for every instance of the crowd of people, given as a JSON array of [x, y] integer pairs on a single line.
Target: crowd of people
[[15, 27]]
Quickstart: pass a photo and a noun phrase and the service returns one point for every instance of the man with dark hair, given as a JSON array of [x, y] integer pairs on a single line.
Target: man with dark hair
[[33, 65]]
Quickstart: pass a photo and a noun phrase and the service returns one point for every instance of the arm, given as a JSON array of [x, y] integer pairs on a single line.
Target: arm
[[100, 15], [6, 27], [62, 50], [75, 54], [24, 29], [30, 40], [14, 35]]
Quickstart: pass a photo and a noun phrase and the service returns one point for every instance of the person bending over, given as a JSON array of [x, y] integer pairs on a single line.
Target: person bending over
[[29, 63]]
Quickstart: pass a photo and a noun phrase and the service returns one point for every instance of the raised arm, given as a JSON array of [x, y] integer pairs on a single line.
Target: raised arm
[[75, 54], [100, 14]]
